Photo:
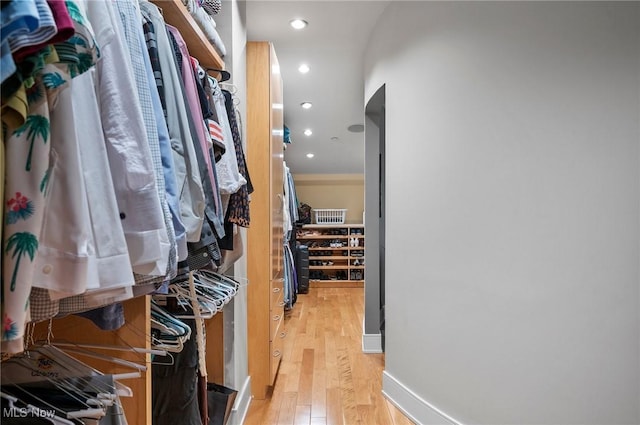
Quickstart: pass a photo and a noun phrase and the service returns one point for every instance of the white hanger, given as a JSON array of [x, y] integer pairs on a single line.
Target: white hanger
[[115, 360], [207, 305], [88, 412], [68, 372], [111, 347], [177, 332]]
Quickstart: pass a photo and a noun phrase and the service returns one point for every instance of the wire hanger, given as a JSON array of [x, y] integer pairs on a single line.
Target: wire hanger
[[231, 88]]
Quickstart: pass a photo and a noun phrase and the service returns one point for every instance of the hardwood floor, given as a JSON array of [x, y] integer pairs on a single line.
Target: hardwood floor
[[324, 377]]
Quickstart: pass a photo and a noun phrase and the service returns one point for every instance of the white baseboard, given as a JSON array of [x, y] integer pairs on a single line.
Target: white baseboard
[[371, 343], [418, 410], [241, 405]]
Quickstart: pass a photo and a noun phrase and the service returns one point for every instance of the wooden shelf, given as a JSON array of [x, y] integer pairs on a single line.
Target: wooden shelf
[[333, 226], [334, 267], [315, 283], [177, 15], [327, 276], [323, 237], [307, 237]]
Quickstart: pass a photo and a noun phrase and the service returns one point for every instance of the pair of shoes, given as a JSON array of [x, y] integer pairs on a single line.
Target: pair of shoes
[[356, 274]]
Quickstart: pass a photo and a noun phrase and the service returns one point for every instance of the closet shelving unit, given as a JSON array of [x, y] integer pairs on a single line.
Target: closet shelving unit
[[137, 330], [333, 262], [265, 299]]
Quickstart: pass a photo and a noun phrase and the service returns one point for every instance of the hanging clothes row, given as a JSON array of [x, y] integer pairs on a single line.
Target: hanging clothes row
[[121, 156], [290, 216]]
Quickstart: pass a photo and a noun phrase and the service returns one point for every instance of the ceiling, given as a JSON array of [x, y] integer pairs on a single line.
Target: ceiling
[[333, 46]]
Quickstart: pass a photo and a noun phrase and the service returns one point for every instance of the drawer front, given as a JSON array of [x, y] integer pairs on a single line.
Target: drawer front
[[277, 274], [277, 294], [276, 319], [277, 347]]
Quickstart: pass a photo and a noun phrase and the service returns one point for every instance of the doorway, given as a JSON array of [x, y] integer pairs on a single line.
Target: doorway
[[375, 200]]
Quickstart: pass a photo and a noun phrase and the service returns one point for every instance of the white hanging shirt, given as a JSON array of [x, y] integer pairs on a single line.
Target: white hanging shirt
[[128, 150]]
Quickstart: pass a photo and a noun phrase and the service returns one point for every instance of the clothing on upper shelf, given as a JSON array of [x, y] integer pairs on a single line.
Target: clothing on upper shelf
[[111, 176], [207, 24]]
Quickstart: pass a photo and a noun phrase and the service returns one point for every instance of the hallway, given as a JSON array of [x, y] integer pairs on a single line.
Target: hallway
[[324, 377]]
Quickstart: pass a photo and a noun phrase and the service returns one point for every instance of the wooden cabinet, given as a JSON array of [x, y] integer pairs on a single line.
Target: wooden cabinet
[[336, 254], [265, 130]]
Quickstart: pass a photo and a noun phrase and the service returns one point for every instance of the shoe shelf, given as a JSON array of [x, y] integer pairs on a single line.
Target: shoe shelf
[[336, 254]]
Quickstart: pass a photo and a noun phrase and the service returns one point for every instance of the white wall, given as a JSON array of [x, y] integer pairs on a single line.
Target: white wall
[[231, 24], [513, 209], [333, 191]]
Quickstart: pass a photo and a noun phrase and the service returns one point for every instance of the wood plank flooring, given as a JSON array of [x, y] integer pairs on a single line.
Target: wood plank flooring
[[324, 377]]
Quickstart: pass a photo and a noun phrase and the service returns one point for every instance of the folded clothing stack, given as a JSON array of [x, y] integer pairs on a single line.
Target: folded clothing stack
[[202, 12]]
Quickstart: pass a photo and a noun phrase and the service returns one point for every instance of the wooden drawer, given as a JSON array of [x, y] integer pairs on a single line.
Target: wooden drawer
[[275, 322], [277, 351], [278, 274], [276, 293]]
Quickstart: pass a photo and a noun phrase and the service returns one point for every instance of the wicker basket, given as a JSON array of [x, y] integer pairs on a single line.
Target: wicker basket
[[330, 216]]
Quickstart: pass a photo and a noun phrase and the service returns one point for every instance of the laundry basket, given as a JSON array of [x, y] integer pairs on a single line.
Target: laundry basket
[[330, 216]]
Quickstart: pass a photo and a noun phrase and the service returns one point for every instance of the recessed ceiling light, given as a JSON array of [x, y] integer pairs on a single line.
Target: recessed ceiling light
[[308, 132], [298, 23], [310, 155], [306, 105], [304, 68], [356, 128]]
